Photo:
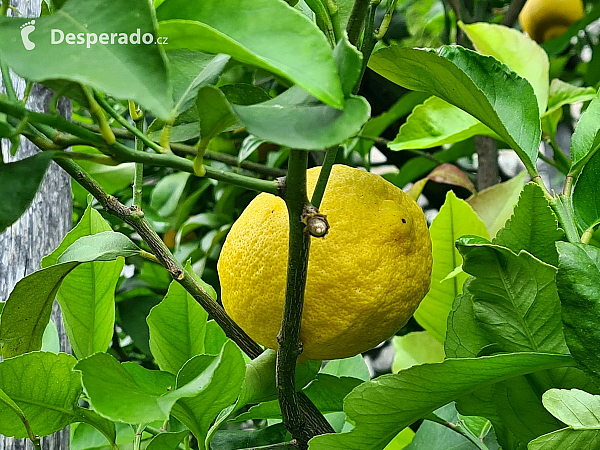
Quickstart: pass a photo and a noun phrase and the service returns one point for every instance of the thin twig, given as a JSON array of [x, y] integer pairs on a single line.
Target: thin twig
[[319, 191], [512, 14], [138, 177]]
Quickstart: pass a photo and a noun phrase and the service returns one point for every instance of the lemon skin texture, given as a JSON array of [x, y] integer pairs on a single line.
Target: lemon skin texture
[[365, 278], [543, 20]]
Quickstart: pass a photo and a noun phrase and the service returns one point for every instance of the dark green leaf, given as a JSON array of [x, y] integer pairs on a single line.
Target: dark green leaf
[[20, 182], [264, 36], [177, 329], [244, 94], [234, 439], [577, 282], [44, 387], [124, 71], [514, 296], [383, 407], [585, 141], [167, 441], [297, 120], [586, 195], [214, 113], [27, 310], [532, 227], [507, 104], [349, 64], [168, 192]]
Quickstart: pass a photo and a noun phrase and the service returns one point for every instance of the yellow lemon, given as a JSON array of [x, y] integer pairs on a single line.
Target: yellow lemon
[[365, 278], [543, 20]]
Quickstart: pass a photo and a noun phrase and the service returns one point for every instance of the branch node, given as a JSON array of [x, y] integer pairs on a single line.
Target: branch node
[[281, 186], [316, 223]]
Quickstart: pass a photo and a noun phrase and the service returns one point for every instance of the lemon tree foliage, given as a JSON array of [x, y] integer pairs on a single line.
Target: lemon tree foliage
[[220, 290]]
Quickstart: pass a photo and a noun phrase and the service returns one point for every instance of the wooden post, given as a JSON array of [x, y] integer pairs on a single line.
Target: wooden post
[[39, 230]]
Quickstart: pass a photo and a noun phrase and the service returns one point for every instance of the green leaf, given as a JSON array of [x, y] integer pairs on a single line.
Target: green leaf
[[349, 64], [190, 71], [436, 122], [585, 141], [210, 384], [123, 395], [530, 62], [464, 336], [44, 387], [481, 86], [297, 120], [124, 71], [354, 366], [418, 347], [273, 45], [577, 409], [586, 196], [102, 246], [244, 94], [578, 272], [455, 219], [237, 439], [214, 113], [20, 182], [28, 308], [259, 384], [383, 407], [402, 440], [50, 339], [167, 441], [532, 227], [515, 298], [562, 94], [168, 192], [177, 329], [495, 204]]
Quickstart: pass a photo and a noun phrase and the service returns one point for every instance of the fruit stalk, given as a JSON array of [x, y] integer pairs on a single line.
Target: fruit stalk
[[290, 346]]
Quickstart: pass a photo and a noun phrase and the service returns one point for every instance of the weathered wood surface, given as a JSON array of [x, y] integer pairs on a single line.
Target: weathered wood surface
[[38, 231]]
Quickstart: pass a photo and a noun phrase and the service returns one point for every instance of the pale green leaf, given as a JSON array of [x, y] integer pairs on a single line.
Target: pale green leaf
[[418, 347]]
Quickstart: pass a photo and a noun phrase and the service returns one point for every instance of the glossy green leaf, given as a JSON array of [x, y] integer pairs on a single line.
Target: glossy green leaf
[[259, 384], [577, 282], [514, 298], [189, 72], [87, 294], [577, 409], [45, 389], [562, 93], [401, 440], [530, 60], [464, 336], [20, 182], [50, 339], [349, 64], [167, 441], [532, 227], [455, 219], [495, 204], [214, 113], [177, 329], [28, 308], [238, 439], [297, 120], [104, 246], [436, 122], [418, 347], [586, 196], [383, 407], [125, 392], [122, 70], [273, 45], [354, 366], [214, 339], [244, 94], [481, 86], [585, 141], [209, 383], [168, 192]]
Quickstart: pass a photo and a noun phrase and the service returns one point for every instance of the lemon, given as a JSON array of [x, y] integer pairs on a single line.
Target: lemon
[[543, 20], [365, 278]]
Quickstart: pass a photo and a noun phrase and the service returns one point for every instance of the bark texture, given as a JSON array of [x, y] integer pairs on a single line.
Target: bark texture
[[39, 230]]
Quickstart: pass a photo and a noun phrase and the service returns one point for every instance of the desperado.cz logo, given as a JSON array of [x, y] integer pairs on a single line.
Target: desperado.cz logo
[[88, 39]]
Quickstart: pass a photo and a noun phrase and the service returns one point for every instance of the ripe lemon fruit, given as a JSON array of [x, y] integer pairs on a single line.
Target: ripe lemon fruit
[[543, 20], [365, 278]]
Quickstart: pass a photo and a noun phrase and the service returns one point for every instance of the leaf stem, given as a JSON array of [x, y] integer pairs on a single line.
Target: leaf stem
[[97, 112], [138, 176], [139, 134], [328, 162], [8, 85], [563, 208], [137, 441]]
